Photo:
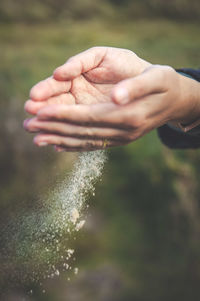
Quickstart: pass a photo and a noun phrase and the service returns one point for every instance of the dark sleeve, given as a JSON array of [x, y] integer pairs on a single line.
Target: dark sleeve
[[176, 138]]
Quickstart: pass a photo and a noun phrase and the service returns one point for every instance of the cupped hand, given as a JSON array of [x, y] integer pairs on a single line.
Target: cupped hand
[[154, 97], [86, 78]]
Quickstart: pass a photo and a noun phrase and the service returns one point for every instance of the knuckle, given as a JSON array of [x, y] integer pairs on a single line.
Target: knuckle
[[169, 69], [88, 132], [168, 72], [141, 89], [92, 117], [159, 72], [137, 120], [164, 72]]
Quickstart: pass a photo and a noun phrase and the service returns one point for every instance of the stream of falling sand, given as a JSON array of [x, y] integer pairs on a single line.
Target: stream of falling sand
[[37, 242]]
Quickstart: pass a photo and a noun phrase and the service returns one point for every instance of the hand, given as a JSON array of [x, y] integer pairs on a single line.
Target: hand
[[154, 97], [86, 78]]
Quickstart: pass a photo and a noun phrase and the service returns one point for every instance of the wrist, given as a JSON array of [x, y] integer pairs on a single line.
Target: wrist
[[190, 100], [189, 121]]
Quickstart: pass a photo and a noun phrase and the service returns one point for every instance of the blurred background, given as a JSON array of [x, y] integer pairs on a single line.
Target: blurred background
[[141, 241]]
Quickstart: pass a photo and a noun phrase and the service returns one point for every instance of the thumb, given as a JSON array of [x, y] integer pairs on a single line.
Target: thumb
[[80, 63], [148, 82]]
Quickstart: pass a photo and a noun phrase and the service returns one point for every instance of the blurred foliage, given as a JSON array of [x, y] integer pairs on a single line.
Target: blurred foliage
[[48, 10], [141, 239]]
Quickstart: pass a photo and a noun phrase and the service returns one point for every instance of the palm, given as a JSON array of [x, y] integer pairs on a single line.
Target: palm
[[96, 84], [91, 76], [85, 91]]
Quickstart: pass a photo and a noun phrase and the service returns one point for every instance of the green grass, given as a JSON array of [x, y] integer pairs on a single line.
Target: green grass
[[30, 52]]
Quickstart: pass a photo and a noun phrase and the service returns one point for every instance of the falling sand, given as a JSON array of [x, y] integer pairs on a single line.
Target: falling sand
[[35, 243]]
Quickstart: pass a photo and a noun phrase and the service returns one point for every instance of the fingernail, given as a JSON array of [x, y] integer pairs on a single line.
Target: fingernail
[[42, 143], [121, 96], [25, 123], [26, 105]]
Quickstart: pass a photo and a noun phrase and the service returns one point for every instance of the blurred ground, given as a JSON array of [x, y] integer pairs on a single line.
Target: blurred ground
[[141, 239]]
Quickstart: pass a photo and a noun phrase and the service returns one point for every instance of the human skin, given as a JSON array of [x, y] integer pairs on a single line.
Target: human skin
[[107, 97]]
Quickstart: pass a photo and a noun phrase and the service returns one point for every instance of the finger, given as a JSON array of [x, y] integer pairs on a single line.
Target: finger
[[100, 115], [80, 63], [71, 130], [94, 114], [73, 144], [32, 107], [152, 80], [48, 88]]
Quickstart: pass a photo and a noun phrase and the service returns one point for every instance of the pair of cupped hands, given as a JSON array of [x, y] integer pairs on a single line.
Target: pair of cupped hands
[[106, 97]]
